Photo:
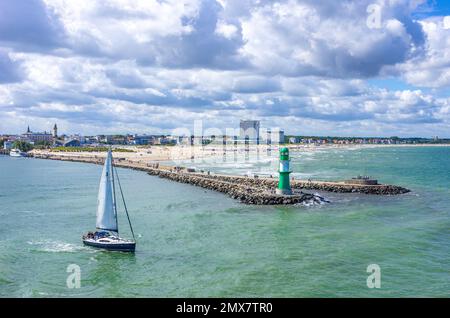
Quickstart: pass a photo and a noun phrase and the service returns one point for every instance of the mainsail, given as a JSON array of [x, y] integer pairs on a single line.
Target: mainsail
[[106, 209]]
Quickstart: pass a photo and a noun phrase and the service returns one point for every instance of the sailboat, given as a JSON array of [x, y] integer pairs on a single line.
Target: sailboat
[[106, 235]]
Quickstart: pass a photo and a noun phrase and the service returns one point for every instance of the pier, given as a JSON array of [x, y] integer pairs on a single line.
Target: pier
[[248, 190]]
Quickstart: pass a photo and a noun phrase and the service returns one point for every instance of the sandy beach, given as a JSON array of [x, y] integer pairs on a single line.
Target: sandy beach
[[154, 154]]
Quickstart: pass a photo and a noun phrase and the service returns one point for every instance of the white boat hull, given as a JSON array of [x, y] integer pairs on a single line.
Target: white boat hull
[[16, 154], [110, 243]]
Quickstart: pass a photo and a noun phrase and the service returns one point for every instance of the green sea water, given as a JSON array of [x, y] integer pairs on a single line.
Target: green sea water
[[194, 242]]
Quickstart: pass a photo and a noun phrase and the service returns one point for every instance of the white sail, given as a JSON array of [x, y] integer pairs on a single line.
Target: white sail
[[106, 214]]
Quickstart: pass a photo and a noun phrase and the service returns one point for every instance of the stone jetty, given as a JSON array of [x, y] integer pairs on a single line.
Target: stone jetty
[[248, 190]]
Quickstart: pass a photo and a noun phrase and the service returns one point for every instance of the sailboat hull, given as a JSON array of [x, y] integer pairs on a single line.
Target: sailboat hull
[[122, 246]]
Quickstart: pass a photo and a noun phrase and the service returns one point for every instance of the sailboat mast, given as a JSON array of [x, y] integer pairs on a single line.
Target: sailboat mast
[[114, 191]]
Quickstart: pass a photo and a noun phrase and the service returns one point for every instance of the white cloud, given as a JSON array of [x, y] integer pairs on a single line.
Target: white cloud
[[10, 69], [433, 68], [129, 66], [298, 39], [447, 22], [227, 30]]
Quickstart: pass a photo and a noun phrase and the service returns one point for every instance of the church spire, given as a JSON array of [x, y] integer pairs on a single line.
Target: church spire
[[55, 131], [28, 129]]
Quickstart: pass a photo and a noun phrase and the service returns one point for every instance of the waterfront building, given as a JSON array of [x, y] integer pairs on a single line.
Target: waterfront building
[[107, 139], [7, 144], [72, 143], [164, 140], [278, 136], [272, 136], [35, 137], [89, 140], [249, 131], [112, 139], [184, 140], [142, 140], [197, 140], [55, 132], [188, 140]]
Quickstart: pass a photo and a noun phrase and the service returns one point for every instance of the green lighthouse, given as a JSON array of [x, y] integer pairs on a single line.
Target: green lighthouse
[[283, 185]]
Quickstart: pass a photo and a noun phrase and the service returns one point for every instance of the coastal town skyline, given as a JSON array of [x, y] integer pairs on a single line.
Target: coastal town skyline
[[53, 132], [248, 132], [368, 68]]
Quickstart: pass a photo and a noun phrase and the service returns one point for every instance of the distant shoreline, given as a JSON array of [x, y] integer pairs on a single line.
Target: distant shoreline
[[179, 153]]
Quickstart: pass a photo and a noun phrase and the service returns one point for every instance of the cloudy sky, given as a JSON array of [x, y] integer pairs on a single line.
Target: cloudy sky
[[312, 67]]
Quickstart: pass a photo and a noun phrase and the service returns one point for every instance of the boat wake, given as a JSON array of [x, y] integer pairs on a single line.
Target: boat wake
[[56, 246]]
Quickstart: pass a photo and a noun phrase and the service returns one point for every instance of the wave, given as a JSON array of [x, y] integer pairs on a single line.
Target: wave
[[316, 200]]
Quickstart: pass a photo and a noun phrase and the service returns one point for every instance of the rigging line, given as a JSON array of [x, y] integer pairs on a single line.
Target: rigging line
[[124, 204]]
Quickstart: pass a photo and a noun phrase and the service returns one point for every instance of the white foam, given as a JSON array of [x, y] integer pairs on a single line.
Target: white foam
[[55, 246]]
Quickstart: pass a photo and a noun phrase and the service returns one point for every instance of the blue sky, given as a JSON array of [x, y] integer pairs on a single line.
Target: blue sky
[[311, 67]]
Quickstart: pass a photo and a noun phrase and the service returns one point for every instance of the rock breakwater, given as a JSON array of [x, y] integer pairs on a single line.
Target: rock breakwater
[[248, 190]]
